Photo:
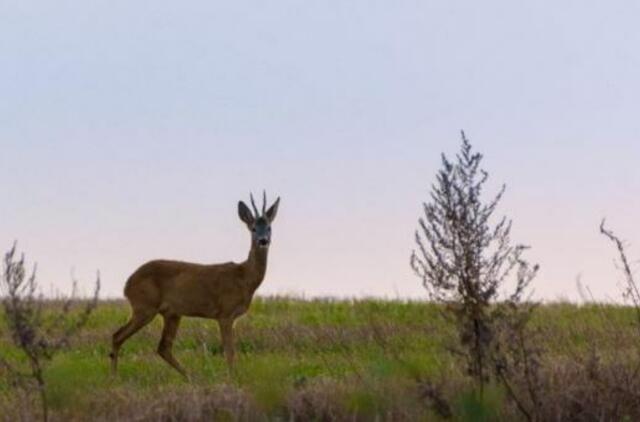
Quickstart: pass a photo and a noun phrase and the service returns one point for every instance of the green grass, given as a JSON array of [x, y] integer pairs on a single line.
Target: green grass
[[362, 357]]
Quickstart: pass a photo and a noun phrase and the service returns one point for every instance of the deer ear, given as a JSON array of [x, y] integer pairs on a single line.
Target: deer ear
[[245, 214], [272, 211]]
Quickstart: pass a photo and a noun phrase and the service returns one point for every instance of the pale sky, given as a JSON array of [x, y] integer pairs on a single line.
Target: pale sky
[[129, 131]]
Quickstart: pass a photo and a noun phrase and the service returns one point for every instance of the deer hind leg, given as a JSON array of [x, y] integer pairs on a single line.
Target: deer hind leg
[[171, 323], [226, 333], [138, 320]]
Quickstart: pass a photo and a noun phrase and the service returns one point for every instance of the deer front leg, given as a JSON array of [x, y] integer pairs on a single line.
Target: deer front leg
[[226, 333]]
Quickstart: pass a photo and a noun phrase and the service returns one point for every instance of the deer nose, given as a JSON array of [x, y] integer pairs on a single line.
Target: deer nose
[[263, 242]]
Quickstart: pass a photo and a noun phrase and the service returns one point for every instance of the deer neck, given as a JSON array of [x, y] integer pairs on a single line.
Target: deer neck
[[256, 265]]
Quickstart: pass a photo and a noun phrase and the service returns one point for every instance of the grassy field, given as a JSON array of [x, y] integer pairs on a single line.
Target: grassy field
[[316, 359]]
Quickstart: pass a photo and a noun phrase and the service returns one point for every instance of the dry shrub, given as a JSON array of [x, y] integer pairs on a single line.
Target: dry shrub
[[596, 385], [465, 261], [589, 389], [223, 402], [318, 401], [38, 328]]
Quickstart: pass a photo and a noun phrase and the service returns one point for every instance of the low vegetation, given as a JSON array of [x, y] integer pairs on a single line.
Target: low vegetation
[[333, 360], [37, 331]]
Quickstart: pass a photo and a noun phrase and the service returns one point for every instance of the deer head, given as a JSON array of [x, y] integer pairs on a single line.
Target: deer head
[[259, 223]]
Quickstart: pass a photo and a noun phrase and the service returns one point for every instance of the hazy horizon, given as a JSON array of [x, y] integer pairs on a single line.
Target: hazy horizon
[[130, 131]]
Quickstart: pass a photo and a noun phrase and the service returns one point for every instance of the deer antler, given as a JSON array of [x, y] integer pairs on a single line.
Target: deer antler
[[253, 205], [264, 202]]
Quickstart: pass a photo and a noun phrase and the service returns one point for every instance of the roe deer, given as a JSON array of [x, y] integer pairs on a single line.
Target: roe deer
[[175, 289]]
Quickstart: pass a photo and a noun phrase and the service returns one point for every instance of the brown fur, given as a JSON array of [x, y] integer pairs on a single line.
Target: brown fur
[[175, 289]]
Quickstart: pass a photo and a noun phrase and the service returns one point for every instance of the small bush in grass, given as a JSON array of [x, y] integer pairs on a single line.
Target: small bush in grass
[[37, 333], [464, 261]]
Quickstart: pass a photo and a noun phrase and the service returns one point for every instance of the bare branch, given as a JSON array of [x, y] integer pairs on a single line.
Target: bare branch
[[631, 291]]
